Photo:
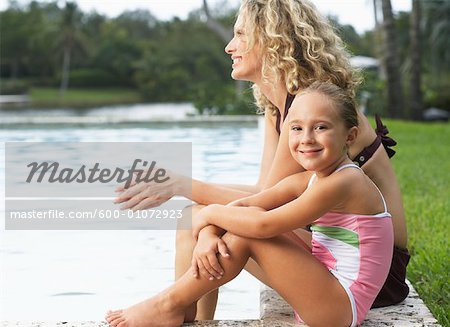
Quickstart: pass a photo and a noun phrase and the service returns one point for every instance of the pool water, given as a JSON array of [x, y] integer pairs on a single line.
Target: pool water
[[78, 275]]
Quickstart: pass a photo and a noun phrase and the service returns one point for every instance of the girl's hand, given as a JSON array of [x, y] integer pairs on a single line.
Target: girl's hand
[[204, 257], [200, 222], [145, 195]]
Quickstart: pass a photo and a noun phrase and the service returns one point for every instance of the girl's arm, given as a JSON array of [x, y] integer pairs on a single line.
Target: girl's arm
[[253, 222], [283, 192]]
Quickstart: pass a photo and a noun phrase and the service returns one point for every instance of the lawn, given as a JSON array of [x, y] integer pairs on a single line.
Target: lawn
[[50, 97], [422, 164]]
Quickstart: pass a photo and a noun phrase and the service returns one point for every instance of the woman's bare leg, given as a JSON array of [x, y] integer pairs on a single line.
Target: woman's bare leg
[[290, 269], [185, 243]]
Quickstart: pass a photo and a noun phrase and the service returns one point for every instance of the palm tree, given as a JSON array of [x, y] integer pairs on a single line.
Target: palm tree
[[68, 40], [415, 91], [391, 62], [437, 29], [226, 33]]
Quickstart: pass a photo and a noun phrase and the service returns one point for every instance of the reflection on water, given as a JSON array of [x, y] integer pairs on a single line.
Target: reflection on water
[[77, 275]]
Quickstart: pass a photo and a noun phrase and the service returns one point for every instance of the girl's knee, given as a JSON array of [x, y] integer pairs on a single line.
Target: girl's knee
[[233, 240]]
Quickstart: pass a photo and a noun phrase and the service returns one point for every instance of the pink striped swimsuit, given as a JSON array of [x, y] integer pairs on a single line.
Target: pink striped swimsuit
[[357, 250]]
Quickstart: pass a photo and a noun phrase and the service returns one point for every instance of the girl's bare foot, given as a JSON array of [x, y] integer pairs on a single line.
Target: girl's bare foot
[[158, 311]]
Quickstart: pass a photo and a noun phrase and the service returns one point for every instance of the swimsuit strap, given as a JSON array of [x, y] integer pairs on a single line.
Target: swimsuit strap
[[381, 138], [311, 180], [352, 165], [313, 176], [287, 105], [346, 166]]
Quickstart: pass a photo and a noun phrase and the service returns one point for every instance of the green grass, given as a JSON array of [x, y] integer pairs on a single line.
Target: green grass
[[83, 97], [422, 165]]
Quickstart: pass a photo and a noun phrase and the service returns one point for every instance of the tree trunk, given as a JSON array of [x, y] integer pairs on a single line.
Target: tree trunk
[[14, 69], [65, 72], [415, 91], [378, 38], [391, 63], [226, 34]]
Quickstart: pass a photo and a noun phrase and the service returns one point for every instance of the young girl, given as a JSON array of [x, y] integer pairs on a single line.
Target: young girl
[[330, 277]]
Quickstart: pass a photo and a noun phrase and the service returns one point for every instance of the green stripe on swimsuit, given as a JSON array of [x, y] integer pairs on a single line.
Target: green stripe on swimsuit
[[347, 236]]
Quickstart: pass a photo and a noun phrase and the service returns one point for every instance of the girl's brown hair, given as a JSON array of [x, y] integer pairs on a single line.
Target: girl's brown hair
[[341, 100]]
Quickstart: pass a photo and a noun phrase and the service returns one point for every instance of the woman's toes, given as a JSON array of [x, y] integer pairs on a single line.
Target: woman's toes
[[111, 313], [114, 316], [123, 324], [117, 321]]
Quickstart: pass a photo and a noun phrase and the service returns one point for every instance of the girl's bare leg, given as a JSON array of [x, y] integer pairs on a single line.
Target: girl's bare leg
[[290, 269], [185, 243]]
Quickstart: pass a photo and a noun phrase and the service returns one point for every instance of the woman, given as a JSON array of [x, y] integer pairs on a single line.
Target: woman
[[281, 46]]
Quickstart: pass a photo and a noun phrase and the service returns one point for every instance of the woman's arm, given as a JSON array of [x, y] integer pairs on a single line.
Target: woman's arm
[[146, 195], [208, 193], [283, 163]]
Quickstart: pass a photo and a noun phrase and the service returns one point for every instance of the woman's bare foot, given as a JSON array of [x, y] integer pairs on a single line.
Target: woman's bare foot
[[190, 313], [158, 311]]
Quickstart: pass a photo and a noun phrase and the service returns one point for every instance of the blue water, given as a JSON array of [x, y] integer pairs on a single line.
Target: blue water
[[78, 275]]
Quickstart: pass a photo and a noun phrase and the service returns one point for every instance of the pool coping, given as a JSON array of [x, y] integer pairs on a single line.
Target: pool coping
[[275, 312], [104, 120]]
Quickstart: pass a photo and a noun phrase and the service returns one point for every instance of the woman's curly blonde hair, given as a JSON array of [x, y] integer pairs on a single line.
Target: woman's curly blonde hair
[[299, 47]]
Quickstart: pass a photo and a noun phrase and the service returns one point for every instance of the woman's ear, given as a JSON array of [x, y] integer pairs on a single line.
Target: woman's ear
[[352, 134]]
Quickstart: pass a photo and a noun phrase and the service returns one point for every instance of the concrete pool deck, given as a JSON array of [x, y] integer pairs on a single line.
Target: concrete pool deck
[[275, 312]]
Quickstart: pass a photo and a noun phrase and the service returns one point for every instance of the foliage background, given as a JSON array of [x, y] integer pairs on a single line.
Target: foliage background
[[180, 60]]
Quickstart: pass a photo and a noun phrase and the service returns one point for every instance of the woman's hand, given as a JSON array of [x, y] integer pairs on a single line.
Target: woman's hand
[[204, 257], [144, 195]]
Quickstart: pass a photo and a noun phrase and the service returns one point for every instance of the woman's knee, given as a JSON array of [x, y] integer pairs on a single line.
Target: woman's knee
[[184, 233], [184, 237]]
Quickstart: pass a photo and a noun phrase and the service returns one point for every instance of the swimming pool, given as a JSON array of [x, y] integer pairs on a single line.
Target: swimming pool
[[77, 275]]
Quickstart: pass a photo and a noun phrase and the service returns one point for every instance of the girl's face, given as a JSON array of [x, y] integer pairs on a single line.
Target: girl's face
[[318, 137], [246, 62]]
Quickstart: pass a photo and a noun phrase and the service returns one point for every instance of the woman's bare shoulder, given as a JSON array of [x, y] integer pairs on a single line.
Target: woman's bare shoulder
[[366, 135]]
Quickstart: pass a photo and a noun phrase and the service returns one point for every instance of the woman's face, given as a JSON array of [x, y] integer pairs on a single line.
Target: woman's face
[[246, 62]]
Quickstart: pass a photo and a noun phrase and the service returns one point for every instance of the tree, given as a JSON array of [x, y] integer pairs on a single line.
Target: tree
[[226, 34], [415, 91], [70, 38], [437, 29], [391, 62], [15, 36]]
